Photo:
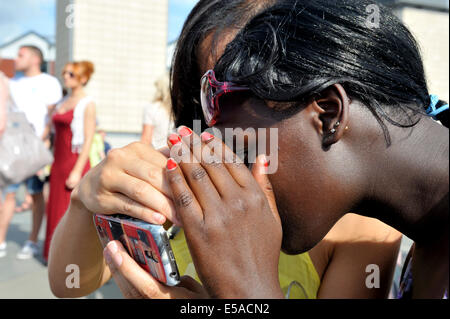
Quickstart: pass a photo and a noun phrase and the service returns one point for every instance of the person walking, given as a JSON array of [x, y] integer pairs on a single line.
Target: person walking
[[157, 122], [35, 94]]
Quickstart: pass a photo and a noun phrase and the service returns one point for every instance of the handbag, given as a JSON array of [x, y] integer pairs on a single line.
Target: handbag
[[22, 153]]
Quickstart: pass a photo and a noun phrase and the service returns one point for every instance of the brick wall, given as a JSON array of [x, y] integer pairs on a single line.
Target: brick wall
[[127, 41]]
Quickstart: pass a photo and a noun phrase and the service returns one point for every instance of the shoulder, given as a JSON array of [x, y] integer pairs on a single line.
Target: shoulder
[[353, 231], [3, 79], [89, 104], [17, 79], [48, 78], [354, 227], [151, 107], [150, 111]]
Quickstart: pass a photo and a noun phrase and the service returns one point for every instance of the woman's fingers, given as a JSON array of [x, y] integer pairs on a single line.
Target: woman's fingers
[[146, 164], [196, 175], [145, 194], [210, 160], [135, 282], [232, 162], [213, 153], [189, 209], [259, 172], [120, 204], [150, 173]]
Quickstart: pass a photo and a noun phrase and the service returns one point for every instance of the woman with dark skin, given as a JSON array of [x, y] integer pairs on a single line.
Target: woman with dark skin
[[344, 142]]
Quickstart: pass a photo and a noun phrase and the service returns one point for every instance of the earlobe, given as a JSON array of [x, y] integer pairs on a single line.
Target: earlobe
[[333, 105]]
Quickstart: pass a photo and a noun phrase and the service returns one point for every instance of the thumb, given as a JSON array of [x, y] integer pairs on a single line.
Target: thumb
[[259, 172]]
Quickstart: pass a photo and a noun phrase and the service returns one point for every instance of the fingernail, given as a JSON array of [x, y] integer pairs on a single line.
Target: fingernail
[[159, 218], [171, 164], [206, 137], [184, 131], [265, 162], [117, 259], [112, 247], [112, 256], [174, 139]]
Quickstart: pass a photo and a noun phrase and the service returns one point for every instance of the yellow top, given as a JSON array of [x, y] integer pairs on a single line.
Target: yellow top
[[97, 148], [298, 277]]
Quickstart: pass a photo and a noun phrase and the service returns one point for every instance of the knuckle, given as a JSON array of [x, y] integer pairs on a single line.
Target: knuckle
[[100, 200], [138, 191], [237, 165], [198, 173], [175, 178], [240, 205], [135, 145], [214, 163], [114, 155], [105, 176], [128, 206], [184, 199], [214, 228], [153, 174], [149, 292]]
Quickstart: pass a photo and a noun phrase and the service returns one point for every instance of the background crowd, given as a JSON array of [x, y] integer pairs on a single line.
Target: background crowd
[[63, 117]]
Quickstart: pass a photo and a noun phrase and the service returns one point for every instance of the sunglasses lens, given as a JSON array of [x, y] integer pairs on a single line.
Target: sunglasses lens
[[206, 97], [70, 74]]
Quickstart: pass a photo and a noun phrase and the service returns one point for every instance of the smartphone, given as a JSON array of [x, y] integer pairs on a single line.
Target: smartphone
[[146, 243]]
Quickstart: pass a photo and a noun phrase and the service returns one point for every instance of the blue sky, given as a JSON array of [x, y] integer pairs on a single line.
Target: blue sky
[[20, 16]]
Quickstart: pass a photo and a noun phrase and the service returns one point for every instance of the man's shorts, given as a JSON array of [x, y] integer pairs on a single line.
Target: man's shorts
[[34, 186]]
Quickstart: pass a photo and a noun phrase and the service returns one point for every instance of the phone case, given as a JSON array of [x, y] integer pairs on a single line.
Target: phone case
[[146, 243]]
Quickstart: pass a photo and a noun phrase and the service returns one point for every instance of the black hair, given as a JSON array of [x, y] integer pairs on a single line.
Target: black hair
[[206, 17], [291, 50]]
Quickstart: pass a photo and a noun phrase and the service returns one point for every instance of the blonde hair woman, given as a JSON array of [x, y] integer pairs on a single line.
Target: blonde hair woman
[[157, 115]]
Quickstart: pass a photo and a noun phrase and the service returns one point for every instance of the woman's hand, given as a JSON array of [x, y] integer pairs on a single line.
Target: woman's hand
[[73, 179], [135, 283], [129, 181], [229, 217]]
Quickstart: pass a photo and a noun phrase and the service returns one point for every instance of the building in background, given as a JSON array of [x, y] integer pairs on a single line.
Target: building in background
[[127, 42], [429, 23], [9, 50]]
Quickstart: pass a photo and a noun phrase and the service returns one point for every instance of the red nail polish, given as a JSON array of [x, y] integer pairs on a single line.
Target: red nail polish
[[171, 164], [206, 137], [184, 131], [174, 139]]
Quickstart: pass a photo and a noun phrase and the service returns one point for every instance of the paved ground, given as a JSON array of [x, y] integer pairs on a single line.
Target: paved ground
[[28, 279]]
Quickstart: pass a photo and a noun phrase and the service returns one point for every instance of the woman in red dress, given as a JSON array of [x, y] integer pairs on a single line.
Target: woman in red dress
[[74, 121]]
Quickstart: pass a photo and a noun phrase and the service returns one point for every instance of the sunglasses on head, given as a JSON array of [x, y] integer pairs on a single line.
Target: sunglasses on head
[[71, 74], [210, 92]]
